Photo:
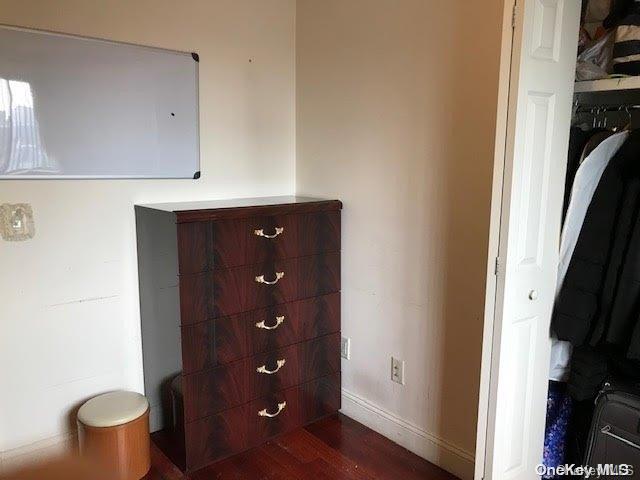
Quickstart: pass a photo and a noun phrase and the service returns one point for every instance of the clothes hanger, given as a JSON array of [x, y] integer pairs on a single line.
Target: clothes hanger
[[627, 127], [600, 121]]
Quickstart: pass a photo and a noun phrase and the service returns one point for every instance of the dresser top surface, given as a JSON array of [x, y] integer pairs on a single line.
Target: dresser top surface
[[200, 210]]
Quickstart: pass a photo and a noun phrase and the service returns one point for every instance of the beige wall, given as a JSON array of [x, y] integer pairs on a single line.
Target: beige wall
[[69, 319], [396, 104]]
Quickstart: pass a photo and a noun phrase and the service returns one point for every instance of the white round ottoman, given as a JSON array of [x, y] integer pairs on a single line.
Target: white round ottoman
[[113, 430]]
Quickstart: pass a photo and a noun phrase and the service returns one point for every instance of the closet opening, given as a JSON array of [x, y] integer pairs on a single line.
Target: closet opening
[[593, 402]]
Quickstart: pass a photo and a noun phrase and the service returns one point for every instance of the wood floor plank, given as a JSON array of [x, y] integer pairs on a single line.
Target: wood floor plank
[[308, 447], [313, 467], [292, 464], [253, 465]]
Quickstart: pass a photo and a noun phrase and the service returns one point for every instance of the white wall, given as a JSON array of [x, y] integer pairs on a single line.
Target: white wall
[[69, 319], [396, 103]]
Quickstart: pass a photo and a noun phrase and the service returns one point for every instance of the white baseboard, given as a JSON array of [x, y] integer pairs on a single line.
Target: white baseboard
[[424, 444], [37, 452]]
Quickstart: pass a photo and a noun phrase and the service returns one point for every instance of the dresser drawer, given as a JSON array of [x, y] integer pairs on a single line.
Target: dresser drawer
[[226, 433], [274, 414], [222, 435], [301, 320], [226, 292], [275, 327], [268, 239], [211, 391], [248, 288], [237, 242], [289, 236], [228, 339], [273, 371]]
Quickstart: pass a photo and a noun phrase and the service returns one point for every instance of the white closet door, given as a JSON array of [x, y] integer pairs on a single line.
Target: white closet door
[[540, 95]]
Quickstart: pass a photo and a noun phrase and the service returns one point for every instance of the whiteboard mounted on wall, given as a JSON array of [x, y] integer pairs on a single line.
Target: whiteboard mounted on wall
[[74, 107]]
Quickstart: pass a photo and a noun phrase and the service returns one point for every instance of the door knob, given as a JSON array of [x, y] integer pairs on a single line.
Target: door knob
[[533, 295]]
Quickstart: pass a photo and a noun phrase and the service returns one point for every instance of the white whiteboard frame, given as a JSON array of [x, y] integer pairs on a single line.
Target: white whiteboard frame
[[193, 55]]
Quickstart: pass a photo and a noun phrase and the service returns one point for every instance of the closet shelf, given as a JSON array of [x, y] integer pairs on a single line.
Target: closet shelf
[[627, 83]]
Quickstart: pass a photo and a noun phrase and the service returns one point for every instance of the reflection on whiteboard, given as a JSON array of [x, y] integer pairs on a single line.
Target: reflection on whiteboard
[[73, 107], [23, 150]]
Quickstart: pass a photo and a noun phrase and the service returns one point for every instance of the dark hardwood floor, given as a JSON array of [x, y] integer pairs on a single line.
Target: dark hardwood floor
[[335, 448]]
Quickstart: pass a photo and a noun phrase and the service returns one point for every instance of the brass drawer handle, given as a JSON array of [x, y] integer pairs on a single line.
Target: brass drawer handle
[[260, 232], [263, 368], [279, 276], [281, 407], [279, 321]]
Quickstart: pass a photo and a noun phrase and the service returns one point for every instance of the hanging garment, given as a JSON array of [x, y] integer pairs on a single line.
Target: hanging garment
[[589, 248], [614, 293], [596, 139], [624, 368], [560, 361], [589, 370], [578, 139], [584, 184], [555, 433], [634, 347], [621, 291]]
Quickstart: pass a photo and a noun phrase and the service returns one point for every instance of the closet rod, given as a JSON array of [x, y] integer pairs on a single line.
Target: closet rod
[[582, 108]]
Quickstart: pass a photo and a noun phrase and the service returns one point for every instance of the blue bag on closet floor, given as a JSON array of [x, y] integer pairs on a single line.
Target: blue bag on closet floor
[[559, 406]]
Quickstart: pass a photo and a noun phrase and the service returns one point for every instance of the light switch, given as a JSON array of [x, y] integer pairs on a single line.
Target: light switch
[[16, 222]]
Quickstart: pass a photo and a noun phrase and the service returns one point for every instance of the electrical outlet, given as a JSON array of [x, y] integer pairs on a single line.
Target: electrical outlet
[[397, 370], [345, 347]]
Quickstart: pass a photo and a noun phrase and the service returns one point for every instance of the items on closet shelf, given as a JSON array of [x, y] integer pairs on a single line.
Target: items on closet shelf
[[594, 14], [595, 46], [608, 42]]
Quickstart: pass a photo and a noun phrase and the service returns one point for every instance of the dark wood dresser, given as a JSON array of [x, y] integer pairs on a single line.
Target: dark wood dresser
[[241, 298]]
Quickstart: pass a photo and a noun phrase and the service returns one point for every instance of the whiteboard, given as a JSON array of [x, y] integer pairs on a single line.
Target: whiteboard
[[74, 107]]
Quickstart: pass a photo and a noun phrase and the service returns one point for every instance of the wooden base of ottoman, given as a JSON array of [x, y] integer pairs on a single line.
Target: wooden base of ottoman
[[123, 450]]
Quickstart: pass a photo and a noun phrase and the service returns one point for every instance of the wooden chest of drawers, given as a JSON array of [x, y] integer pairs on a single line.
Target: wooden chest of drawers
[[242, 300]]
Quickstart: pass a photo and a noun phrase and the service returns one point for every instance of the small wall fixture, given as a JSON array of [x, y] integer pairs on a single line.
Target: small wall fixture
[[16, 222]]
